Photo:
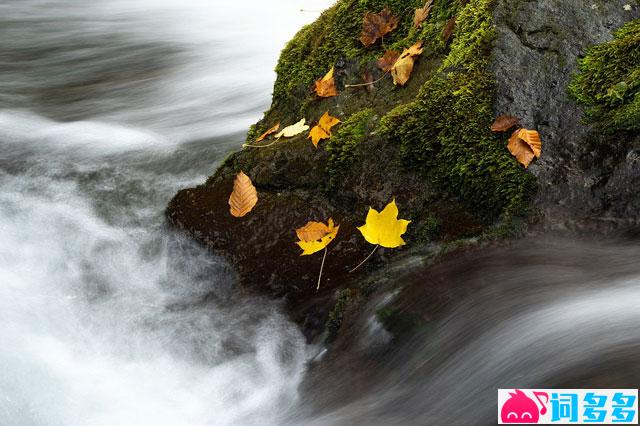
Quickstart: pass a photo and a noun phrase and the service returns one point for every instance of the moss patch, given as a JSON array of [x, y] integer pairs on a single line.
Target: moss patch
[[334, 321], [333, 40], [609, 82], [343, 146], [445, 132]]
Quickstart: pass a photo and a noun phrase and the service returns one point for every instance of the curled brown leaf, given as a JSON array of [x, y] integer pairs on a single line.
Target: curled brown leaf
[[269, 132], [387, 61], [422, 14], [448, 29], [377, 25], [504, 122], [525, 145]]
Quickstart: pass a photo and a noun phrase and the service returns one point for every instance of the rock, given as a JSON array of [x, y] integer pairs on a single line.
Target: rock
[[587, 179], [427, 144]]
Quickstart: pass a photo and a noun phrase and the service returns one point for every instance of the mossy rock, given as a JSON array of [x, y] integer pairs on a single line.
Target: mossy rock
[[427, 144], [609, 82]]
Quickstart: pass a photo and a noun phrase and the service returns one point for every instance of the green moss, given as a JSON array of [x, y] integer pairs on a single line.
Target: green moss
[[445, 132], [428, 230], [335, 36], [253, 133], [609, 82], [343, 145], [334, 321]]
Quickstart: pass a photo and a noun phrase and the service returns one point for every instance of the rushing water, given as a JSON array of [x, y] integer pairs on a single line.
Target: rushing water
[[106, 110]]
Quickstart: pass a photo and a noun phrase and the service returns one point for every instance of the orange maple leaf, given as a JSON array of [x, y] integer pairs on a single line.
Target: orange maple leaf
[[326, 86], [323, 129]]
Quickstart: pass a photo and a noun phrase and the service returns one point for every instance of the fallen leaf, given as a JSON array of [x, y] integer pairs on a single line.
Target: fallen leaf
[[326, 86], [388, 60], [525, 145], [315, 236], [384, 228], [403, 67], [377, 25], [323, 129], [244, 196], [269, 132], [422, 14], [312, 231], [293, 130], [504, 122], [448, 29]]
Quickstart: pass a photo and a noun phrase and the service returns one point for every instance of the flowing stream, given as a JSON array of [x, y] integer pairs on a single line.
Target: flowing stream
[[106, 110]]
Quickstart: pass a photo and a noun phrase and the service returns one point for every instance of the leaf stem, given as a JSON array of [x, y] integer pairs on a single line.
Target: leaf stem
[[367, 84], [367, 258], [321, 268], [246, 145]]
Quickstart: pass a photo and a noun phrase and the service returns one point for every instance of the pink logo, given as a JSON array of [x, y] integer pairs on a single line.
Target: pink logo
[[519, 408]]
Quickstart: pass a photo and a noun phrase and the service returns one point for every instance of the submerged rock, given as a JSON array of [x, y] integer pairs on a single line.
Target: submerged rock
[[427, 144]]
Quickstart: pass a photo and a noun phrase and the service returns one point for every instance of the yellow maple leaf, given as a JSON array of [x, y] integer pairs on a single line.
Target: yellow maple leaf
[[293, 130], [315, 236], [323, 129], [384, 228]]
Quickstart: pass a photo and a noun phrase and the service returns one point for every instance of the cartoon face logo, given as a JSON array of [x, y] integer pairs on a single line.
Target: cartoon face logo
[[519, 408]]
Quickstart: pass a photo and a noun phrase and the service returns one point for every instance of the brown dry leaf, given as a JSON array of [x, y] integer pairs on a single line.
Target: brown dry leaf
[[448, 29], [323, 129], [422, 14], [504, 122], [326, 86], [402, 69], [387, 61], [525, 145], [377, 25], [269, 132], [244, 196]]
